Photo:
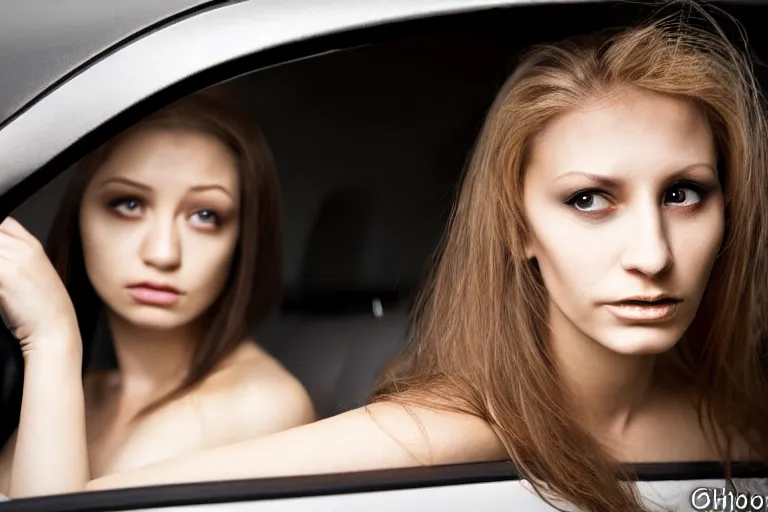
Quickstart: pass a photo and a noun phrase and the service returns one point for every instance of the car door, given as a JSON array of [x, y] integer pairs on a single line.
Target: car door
[[54, 110]]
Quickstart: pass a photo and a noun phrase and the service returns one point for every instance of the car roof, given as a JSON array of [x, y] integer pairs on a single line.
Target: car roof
[[44, 41]]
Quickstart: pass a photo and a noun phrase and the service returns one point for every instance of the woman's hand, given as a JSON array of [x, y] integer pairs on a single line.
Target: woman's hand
[[51, 454], [33, 300]]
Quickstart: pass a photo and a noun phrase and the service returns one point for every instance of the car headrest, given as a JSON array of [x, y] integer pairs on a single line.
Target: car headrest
[[336, 254], [338, 275]]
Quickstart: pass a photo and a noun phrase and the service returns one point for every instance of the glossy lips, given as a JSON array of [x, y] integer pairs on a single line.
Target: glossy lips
[[645, 309], [154, 294]]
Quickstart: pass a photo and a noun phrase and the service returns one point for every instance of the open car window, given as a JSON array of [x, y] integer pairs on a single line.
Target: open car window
[[371, 116]]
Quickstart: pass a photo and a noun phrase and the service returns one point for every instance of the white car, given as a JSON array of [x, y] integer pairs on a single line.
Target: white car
[[371, 108]]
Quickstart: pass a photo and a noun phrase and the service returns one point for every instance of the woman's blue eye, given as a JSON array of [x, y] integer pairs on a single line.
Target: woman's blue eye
[[207, 217], [129, 206]]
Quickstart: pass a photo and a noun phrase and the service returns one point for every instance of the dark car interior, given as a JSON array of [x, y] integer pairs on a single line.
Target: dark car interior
[[370, 143]]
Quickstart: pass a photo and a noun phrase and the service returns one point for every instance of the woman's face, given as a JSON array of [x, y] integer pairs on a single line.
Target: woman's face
[[626, 214], [159, 224]]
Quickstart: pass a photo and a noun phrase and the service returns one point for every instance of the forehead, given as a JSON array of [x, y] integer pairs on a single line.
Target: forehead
[[632, 132], [164, 157]]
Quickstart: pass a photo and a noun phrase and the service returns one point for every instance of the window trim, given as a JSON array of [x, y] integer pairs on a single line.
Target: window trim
[[206, 493], [81, 60]]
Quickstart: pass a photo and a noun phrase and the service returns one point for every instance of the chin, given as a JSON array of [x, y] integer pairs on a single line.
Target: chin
[[154, 318], [638, 341]]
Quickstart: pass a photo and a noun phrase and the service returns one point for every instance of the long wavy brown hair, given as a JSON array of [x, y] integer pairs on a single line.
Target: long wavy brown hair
[[254, 282], [478, 339]]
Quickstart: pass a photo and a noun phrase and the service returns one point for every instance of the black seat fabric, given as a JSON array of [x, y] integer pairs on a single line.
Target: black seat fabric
[[337, 329]]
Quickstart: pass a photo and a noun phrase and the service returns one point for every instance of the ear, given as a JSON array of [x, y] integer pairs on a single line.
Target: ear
[[529, 252], [531, 248]]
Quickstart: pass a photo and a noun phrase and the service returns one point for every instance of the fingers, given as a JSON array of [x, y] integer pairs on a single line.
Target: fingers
[[13, 228], [15, 237]]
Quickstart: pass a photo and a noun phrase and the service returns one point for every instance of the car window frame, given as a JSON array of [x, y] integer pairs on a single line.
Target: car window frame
[[83, 31], [290, 487]]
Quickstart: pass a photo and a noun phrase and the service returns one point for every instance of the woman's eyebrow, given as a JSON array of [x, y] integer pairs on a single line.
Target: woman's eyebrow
[[603, 180], [202, 188], [612, 182], [688, 168], [125, 181]]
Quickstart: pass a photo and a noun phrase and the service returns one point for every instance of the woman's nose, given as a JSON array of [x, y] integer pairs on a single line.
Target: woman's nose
[[161, 247], [647, 248]]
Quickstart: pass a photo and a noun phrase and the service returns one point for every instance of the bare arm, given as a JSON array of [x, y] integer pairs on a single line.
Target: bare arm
[[47, 454], [6, 459], [381, 436], [51, 454]]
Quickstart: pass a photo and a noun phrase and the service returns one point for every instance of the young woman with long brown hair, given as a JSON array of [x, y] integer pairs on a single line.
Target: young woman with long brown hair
[[172, 231], [601, 295]]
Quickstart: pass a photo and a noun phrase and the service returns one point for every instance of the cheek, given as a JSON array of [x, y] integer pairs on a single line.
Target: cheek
[[573, 259], [695, 245], [105, 244], [208, 260]]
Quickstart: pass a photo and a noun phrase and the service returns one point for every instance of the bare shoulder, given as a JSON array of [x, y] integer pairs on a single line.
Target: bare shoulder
[[742, 450], [252, 395], [682, 432]]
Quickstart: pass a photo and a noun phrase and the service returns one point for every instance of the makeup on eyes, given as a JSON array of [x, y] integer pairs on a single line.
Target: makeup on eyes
[[596, 199], [210, 208], [599, 202], [204, 214], [129, 206], [207, 217]]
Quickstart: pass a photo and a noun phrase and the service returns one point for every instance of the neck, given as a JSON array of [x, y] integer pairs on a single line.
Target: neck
[[152, 361], [609, 387]]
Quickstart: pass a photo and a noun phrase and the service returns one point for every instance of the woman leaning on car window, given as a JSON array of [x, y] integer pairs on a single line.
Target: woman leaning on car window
[[172, 230]]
